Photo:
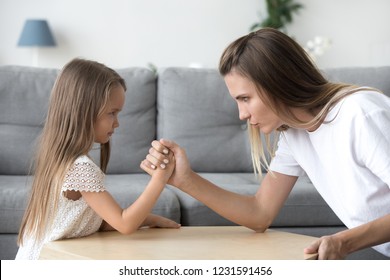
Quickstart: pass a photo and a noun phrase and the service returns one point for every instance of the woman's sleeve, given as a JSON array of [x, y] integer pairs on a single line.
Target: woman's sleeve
[[372, 143], [284, 162], [84, 175]]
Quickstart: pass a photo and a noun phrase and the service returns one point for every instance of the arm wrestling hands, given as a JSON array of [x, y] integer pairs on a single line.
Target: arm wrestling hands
[[336, 246]]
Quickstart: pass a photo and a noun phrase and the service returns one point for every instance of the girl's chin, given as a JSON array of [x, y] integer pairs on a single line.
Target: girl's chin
[[102, 141]]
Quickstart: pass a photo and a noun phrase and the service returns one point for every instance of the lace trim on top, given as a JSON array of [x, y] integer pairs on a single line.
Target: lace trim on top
[[84, 175]]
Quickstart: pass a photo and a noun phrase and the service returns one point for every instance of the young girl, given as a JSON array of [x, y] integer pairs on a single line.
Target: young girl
[[68, 197], [338, 134]]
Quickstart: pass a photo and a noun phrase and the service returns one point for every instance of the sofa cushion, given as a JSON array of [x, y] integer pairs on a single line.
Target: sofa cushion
[[127, 188], [14, 191], [137, 122], [196, 110], [377, 77], [304, 206], [24, 96]]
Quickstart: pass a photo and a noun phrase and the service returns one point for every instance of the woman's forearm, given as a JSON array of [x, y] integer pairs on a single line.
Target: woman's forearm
[[366, 235], [240, 209]]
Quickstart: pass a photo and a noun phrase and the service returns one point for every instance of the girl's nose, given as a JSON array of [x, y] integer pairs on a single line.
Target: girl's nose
[[116, 123]]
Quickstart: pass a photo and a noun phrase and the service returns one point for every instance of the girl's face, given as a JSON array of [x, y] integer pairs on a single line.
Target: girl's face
[[250, 105], [108, 120]]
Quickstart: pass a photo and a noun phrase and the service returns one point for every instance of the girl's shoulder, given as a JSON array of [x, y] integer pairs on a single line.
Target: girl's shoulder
[[86, 164], [84, 159], [84, 175]]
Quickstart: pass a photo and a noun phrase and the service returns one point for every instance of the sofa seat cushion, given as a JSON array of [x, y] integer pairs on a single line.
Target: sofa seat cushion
[[126, 188], [14, 191], [304, 206]]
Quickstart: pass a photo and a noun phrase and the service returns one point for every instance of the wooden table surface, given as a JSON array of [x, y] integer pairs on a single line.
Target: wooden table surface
[[186, 243]]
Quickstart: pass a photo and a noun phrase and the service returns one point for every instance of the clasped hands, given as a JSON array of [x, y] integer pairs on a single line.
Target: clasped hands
[[160, 156], [162, 151]]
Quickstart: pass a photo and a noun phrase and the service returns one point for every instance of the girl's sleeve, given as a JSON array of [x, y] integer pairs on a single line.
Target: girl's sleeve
[[84, 175], [284, 162]]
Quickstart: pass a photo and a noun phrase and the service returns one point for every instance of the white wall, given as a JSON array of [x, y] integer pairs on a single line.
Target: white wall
[[122, 33]]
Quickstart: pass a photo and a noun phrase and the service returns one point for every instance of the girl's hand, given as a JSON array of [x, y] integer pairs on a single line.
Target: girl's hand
[[156, 221], [162, 169], [159, 152]]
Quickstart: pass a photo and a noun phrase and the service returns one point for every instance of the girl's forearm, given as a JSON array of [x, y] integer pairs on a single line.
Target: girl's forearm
[[136, 213]]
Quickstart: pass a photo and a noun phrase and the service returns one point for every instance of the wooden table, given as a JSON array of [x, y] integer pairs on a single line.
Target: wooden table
[[186, 243]]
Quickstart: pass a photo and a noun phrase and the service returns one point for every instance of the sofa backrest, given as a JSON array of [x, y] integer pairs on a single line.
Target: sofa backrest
[[377, 77], [195, 110], [190, 106], [24, 97], [137, 122]]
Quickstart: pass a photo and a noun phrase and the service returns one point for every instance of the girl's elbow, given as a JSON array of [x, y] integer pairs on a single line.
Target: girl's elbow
[[127, 230]]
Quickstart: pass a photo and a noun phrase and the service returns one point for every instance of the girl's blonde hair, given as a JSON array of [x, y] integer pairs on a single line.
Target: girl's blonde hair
[[285, 78], [79, 96]]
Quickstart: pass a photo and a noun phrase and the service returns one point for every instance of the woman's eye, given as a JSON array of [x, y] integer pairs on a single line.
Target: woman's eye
[[245, 99]]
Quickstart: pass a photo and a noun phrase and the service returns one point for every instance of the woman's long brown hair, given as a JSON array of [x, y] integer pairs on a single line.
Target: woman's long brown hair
[[285, 78]]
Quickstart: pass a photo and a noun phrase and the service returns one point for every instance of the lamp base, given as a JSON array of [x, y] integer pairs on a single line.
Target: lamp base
[[35, 56]]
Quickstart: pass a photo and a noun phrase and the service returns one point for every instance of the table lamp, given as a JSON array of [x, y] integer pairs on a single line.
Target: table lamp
[[36, 33]]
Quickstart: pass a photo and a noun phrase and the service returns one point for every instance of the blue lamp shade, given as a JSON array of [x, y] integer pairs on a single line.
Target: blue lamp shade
[[36, 33]]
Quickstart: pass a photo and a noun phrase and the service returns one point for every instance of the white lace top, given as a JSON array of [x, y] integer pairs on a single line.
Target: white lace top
[[74, 218]]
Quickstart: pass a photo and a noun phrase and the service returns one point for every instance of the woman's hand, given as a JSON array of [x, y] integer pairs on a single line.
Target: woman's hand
[[159, 154], [156, 221], [327, 248]]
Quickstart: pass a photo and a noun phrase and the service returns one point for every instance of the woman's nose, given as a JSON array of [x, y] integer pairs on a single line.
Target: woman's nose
[[243, 115]]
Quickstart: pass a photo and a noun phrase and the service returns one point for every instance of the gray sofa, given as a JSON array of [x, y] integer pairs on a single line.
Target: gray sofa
[[190, 106]]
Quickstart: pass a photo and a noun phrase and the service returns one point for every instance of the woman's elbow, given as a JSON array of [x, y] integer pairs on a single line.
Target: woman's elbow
[[260, 226], [258, 229]]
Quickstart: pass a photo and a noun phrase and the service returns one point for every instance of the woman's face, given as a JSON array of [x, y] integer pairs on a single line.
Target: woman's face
[[250, 105]]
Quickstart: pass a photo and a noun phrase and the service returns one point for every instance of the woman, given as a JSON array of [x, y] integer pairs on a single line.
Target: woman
[[338, 134]]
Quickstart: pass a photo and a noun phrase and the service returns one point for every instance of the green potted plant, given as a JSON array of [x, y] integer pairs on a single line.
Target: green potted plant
[[280, 13]]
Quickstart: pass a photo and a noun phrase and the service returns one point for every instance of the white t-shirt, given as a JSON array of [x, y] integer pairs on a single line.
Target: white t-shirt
[[74, 218], [347, 160]]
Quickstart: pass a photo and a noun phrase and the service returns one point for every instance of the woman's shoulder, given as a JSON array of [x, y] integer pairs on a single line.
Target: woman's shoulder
[[366, 101], [366, 95]]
